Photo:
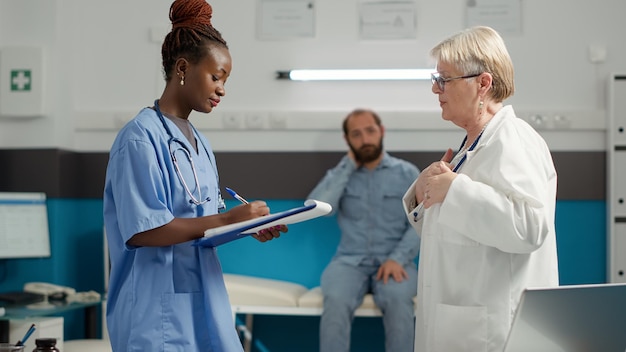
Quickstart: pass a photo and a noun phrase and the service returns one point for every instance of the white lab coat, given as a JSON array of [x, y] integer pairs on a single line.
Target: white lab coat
[[491, 237]]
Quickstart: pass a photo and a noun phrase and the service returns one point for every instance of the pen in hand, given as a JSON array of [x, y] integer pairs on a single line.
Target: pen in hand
[[28, 333], [236, 196]]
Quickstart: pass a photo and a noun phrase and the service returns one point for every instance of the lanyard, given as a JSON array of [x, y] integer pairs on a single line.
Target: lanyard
[[458, 165], [420, 207]]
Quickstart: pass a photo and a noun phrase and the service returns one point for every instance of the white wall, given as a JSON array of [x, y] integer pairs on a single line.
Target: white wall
[[102, 64]]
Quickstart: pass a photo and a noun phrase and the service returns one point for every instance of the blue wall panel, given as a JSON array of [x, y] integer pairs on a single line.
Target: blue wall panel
[[298, 256], [581, 240]]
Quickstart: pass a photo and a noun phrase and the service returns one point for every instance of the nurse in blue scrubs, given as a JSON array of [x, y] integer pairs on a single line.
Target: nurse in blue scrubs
[[161, 194]]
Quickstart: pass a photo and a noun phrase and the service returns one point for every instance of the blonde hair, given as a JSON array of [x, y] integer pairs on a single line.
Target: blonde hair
[[476, 50]]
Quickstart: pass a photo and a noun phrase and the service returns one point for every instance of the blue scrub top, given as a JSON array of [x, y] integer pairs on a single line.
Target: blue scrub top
[[162, 298]]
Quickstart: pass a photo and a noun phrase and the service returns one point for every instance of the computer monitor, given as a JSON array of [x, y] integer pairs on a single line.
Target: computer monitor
[[24, 231], [576, 318]]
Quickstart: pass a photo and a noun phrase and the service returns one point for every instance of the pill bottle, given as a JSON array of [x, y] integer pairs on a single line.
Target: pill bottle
[[47, 344]]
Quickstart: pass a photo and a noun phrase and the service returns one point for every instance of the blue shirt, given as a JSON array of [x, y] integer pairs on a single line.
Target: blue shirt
[[368, 205]]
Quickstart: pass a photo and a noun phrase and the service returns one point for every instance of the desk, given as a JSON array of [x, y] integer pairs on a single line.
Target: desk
[[23, 312]]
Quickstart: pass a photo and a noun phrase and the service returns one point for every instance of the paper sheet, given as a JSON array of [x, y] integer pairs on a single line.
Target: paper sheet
[[312, 209]]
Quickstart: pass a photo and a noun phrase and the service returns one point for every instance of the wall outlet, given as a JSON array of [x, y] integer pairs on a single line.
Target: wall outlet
[[232, 121], [277, 121], [255, 121], [538, 121], [597, 54], [561, 122]]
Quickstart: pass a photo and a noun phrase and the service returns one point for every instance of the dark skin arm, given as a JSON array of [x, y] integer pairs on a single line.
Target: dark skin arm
[[182, 230]]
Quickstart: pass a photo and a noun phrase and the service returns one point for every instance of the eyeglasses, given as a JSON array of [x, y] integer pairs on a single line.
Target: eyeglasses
[[441, 82]]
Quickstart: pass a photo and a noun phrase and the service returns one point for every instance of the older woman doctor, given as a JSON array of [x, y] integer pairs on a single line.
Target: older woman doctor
[[486, 215]]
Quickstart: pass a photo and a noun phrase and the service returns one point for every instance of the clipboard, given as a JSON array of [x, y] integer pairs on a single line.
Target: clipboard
[[219, 235]]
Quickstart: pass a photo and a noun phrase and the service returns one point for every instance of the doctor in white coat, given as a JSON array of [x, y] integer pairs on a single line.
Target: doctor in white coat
[[486, 215]]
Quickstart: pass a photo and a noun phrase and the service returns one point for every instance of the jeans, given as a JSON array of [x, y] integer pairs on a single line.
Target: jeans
[[344, 286]]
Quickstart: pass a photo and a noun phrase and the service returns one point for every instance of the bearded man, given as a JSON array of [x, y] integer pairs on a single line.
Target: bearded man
[[378, 246]]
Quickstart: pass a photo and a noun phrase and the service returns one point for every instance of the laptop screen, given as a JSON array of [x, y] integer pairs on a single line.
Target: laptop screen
[[576, 318]]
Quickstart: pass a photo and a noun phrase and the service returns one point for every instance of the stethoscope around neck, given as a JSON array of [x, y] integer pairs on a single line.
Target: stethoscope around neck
[[458, 165], [180, 146]]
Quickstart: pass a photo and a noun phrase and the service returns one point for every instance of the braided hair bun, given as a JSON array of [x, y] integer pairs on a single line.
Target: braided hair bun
[[193, 14], [192, 33]]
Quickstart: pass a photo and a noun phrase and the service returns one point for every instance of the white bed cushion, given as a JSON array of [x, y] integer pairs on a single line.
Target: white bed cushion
[[314, 298], [256, 291], [87, 345]]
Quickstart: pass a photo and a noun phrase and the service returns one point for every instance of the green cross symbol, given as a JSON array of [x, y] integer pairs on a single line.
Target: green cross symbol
[[20, 80]]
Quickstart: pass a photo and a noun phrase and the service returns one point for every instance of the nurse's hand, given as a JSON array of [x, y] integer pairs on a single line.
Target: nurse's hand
[[248, 211], [391, 268], [270, 233]]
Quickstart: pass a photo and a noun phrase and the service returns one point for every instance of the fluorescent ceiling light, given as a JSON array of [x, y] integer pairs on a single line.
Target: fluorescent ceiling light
[[358, 74]]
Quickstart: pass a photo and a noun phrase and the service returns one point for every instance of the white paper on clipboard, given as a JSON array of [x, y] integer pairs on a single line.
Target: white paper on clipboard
[[312, 209]]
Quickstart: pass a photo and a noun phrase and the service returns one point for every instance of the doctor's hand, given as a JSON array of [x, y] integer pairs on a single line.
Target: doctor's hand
[[447, 156], [391, 268], [432, 170], [270, 233], [438, 183]]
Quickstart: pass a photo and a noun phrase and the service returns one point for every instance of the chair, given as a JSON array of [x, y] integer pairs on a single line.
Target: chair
[[95, 345]]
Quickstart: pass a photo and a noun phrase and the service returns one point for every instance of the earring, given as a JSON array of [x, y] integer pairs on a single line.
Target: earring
[[182, 81], [480, 106]]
